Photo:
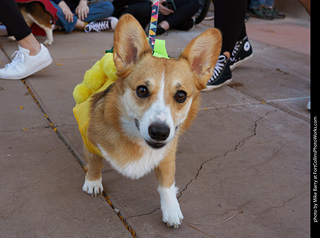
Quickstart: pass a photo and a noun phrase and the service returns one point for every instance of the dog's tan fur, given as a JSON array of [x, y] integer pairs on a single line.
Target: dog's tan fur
[[111, 113], [34, 12]]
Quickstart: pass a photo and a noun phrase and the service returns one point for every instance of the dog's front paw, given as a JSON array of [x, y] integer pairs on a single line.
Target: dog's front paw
[[93, 187], [171, 213], [172, 216]]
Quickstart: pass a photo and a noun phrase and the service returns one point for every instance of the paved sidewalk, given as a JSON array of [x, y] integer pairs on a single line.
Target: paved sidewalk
[[242, 169]]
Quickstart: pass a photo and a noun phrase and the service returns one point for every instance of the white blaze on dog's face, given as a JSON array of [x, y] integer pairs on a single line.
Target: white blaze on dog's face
[[160, 95], [157, 99]]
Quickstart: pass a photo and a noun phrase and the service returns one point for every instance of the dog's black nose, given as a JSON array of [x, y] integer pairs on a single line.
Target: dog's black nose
[[159, 131]]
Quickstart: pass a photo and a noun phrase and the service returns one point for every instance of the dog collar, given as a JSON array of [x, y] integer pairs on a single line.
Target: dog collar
[[159, 49], [158, 46]]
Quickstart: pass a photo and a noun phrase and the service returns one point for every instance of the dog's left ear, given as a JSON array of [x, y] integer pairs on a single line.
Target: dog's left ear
[[202, 53], [130, 43]]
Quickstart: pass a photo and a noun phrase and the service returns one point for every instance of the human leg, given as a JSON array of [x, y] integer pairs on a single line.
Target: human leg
[[32, 56], [62, 21], [229, 19], [185, 10], [99, 17], [255, 4], [260, 9], [268, 3], [31, 43], [272, 10], [99, 11], [12, 18], [140, 10]]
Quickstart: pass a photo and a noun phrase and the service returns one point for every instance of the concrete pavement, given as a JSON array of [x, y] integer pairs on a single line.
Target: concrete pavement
[[242, 169]]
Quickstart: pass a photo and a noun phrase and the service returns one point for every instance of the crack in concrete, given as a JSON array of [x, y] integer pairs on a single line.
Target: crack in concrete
[[37, 127], [235, 148], [267, 160], [143, 214], [303, 191]]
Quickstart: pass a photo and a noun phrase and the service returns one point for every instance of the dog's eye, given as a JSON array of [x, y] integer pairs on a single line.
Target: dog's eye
[[180, 96], [142, 91]]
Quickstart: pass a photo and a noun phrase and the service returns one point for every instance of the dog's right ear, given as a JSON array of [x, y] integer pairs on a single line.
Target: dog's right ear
[[130, 43], [202, 54]]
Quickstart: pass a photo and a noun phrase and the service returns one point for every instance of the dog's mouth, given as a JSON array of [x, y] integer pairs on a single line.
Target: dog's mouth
[[155, 145]]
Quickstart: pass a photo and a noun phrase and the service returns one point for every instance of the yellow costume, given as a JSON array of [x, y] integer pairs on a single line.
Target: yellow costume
[[98, 78]]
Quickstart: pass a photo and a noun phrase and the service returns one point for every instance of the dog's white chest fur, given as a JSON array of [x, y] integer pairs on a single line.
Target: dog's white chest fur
[[136, 169]]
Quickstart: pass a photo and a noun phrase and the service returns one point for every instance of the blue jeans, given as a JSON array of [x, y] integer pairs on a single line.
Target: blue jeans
[[255, 4], [97, 11]]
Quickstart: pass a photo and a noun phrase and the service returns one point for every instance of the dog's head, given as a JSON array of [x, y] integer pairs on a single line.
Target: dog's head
[[160, 96]]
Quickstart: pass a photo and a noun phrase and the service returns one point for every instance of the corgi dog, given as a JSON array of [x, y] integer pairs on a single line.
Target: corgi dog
[[137, 121], [34, 12]]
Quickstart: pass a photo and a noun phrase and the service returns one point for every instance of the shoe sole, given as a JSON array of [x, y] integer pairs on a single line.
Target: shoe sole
[[210, 88], [32, 71], [232, 67]]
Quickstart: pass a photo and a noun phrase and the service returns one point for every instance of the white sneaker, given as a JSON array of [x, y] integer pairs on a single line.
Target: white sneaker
[[103, 25], [24, 65]]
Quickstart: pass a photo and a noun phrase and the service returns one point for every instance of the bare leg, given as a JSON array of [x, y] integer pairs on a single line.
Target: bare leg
[[165, 25], [80, 24], [30, 43], [227, 54]]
